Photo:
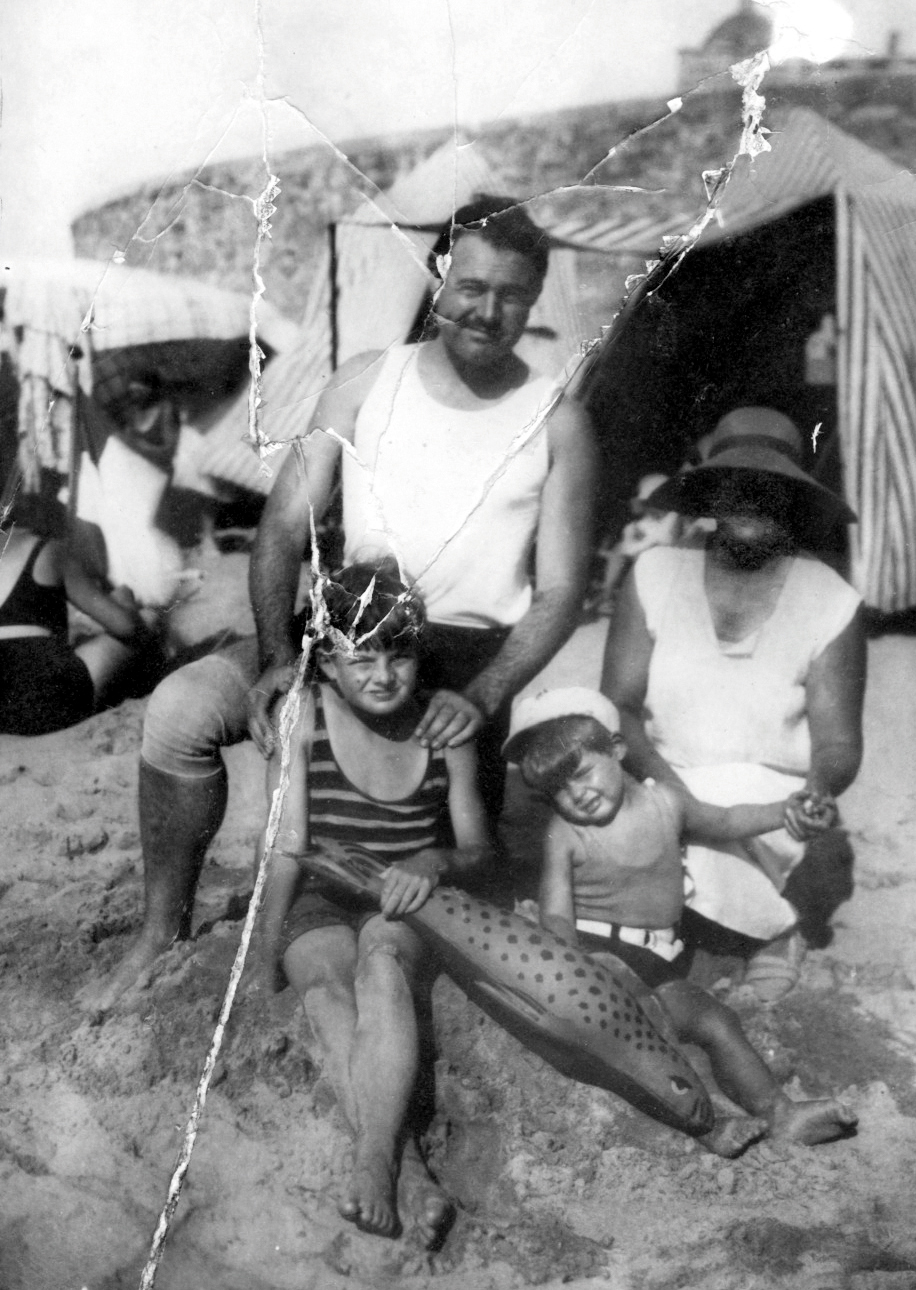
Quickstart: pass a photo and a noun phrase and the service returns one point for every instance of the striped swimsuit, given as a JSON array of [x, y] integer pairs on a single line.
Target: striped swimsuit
[[340, 812]]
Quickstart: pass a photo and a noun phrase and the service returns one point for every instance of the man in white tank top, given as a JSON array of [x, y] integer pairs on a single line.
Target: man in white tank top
[[451, 467]]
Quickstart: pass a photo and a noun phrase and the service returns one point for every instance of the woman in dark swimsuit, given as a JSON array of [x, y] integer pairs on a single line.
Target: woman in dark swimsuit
[[46, 685]]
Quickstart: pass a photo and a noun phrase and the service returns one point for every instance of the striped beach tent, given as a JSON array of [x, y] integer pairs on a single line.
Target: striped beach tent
[[875, 263], [867, 211]]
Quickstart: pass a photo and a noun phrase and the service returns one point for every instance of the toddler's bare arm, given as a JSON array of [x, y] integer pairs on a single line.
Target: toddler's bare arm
[[704, 822], [804, 814], [555, 895]]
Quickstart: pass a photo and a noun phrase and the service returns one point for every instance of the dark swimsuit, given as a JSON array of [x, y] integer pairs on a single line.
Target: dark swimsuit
[[339, 811], [44, 686]]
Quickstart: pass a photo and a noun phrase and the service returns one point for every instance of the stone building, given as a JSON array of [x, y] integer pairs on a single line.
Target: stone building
[[751, 29], [738, 37]]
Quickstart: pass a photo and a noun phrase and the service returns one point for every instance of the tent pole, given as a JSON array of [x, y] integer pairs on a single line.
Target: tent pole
[[332, 273], [74, 354]]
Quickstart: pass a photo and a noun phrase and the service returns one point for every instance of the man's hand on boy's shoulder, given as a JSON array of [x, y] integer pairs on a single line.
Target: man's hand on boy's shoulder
[[272, 684], [450, 719], [408, 883]]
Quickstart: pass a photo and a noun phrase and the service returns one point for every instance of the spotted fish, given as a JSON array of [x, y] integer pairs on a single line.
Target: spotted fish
[[592, 1023]]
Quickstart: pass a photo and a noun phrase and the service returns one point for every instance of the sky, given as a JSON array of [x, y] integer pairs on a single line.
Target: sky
[[100, 96]]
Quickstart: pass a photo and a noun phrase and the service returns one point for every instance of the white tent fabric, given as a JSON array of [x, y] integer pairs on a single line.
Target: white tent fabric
[[380, 281]]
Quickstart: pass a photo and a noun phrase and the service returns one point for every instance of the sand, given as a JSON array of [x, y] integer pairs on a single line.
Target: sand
[[556, 1183]]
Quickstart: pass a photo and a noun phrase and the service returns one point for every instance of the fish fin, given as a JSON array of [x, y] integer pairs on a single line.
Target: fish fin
[[517, 1000]]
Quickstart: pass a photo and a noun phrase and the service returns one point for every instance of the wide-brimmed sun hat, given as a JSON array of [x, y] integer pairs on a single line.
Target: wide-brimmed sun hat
[[754, 451], [547, 705]]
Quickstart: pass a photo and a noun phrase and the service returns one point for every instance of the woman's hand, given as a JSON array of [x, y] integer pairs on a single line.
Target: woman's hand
[[809, 813]]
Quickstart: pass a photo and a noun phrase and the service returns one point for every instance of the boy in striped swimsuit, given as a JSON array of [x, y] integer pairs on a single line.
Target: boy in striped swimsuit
[[359, 775]]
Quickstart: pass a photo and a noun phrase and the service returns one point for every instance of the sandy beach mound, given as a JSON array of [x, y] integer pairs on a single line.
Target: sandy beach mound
[[556, 1183]]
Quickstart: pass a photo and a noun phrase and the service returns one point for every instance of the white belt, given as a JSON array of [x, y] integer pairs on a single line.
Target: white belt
[[663, 941]]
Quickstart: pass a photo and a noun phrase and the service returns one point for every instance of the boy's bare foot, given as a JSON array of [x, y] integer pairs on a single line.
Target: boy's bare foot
[[423, 1199], [370, 1198], [100, 996], [732, 1134], [812, 1122]]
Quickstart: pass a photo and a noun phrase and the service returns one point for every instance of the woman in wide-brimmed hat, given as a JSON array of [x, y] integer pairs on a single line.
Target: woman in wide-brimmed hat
[[738, 667]]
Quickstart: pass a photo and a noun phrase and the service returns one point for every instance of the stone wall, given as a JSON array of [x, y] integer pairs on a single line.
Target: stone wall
[[204, 224]]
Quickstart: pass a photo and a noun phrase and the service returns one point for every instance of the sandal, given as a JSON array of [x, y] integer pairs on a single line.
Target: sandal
[[774, 975]]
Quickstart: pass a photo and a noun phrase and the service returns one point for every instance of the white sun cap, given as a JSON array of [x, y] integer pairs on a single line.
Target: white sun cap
[[571, 701]]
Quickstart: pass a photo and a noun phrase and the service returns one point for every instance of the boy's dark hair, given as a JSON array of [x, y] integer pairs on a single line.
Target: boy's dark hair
[[503, 223], [370, 605], [553, 750]]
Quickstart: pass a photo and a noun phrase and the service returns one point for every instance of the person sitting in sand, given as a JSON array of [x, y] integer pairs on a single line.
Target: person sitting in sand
[[359, 774], [613, 884], [46, 685], [738, 663]]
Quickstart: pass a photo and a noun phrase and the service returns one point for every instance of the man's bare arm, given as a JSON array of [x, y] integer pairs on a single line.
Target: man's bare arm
[[299, 497], [563, 551]]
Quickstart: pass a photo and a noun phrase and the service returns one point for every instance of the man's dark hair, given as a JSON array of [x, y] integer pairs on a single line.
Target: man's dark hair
[[503, 223], [388, 616], [552, 751]]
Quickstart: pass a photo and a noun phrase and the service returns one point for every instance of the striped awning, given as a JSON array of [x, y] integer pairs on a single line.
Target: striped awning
[[641, 237], [71, 325], [110, 306]]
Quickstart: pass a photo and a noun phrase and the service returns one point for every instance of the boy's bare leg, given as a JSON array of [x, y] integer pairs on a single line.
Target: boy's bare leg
[[422, 1196], [731, 1135], [811, 1122], [383, 1072], [321, 967], [359, 1002], [179, 818], [743, 1075]]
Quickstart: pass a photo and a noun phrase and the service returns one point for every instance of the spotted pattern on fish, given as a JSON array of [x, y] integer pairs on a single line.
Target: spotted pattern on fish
[[611, 1008], [589, 1020]]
